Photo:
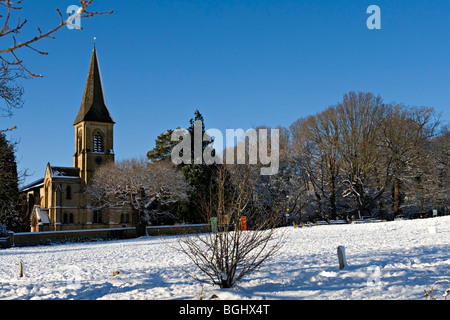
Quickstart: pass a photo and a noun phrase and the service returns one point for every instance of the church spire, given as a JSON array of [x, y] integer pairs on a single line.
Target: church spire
[[93, 105]]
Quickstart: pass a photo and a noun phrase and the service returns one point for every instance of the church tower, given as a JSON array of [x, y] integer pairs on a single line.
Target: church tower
[[93, 126]]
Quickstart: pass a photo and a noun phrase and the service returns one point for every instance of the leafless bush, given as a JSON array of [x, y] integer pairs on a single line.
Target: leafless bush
[[235, 247], [429, 294]]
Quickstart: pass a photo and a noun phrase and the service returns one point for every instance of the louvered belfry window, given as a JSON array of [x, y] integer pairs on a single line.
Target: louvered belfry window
[[98, 143]]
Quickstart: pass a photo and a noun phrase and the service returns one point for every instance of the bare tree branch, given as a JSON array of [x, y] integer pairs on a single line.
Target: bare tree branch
[[12, 67], [11, 31]]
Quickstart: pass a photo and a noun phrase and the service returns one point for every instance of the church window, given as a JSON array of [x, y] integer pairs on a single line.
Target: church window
[[98, 142], [125, 218], [68, 193], [97, 216], [80, 141], [67, 217], [47, 202]]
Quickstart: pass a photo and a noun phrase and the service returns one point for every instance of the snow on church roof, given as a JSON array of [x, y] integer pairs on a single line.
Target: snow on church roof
[[42, 215], [65, 172], [36, 184]]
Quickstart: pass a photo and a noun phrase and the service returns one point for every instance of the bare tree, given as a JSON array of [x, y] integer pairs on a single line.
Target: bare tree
[[308, 162], [428, 182], [242, 240], [146, 188], [360, 117], [405, 133], [286, 191], [441, 146], [316, 145], [11, 92]]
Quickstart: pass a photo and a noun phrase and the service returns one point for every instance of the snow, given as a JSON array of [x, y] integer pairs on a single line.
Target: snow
[[42, 215], [385, 261]]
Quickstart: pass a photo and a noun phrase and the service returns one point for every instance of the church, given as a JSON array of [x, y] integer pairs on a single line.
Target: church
[[58, 201]]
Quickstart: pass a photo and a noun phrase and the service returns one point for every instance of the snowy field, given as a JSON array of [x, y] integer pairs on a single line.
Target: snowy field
[[388, 261]]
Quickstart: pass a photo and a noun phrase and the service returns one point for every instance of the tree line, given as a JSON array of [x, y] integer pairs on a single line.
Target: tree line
[[359, 158], [362, 157]]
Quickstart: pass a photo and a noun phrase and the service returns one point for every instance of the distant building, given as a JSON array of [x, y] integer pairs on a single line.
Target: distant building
[[58, 201]]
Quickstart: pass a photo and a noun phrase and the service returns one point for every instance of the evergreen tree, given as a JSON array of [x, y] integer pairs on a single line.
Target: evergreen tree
[[198, 176], [9, 190], [163, 147]]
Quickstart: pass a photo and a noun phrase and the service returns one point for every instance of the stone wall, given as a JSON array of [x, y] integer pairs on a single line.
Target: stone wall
[[178, 229], [45, 238]]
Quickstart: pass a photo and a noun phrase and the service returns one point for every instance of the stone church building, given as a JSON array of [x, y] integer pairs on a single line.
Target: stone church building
[[58, 201]]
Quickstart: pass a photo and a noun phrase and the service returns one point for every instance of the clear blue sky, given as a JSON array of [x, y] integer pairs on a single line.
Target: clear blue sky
[[241, 63]]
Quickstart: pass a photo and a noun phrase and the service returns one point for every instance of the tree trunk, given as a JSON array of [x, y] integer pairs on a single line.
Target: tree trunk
[[396, 197], [333, 198]]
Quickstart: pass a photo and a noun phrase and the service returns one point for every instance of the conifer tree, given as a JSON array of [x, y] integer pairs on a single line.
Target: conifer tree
[[9, 190], [198, 176]]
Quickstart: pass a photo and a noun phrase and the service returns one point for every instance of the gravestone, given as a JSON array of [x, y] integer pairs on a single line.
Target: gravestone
[[342, 258]]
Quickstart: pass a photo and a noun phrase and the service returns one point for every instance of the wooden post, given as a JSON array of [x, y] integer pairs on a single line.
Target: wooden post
[[20, 269], [341, 257]]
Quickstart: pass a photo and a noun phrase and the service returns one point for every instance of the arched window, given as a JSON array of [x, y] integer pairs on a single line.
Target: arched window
[[97, 216], [80, 141], [65, 217], [47, 200], [98, 142], [68, 192], [71, 218]]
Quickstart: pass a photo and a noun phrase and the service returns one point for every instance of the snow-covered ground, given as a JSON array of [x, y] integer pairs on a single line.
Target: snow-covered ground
[[388, 260]]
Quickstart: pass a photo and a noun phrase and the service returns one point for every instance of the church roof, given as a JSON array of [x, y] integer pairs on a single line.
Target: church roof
[[93, 105], [35, 184], [42, 215], [65, 172]]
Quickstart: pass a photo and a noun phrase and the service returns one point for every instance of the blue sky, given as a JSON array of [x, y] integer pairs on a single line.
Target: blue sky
[[241, 63]]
